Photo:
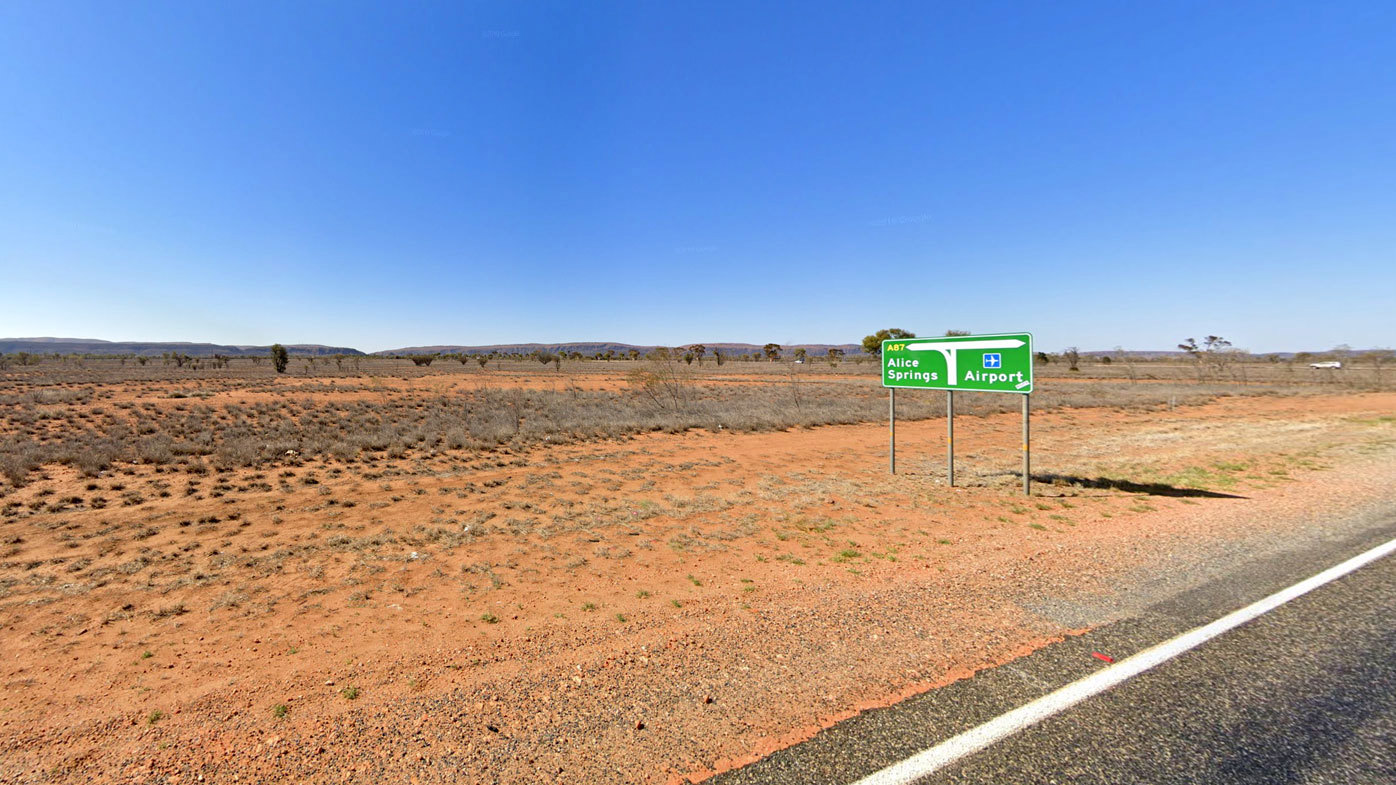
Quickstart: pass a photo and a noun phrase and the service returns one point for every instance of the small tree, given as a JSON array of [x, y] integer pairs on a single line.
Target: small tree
[[1379, 358], [834, 356], [718, 358], [1042, 358], [801, 353], [1122, 357], [772, 351], [872, 344], [482, 359], [1213, 351], [1073, 358], [689, 357], [662, 380], [1193, 351], [279, 357], [423, 359], [698, 350], [1214, 348]]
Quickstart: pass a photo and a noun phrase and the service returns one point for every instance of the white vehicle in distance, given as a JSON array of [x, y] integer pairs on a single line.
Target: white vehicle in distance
[[1330, 364]]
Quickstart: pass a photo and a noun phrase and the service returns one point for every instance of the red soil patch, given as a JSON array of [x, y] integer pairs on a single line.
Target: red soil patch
[[653, 609]]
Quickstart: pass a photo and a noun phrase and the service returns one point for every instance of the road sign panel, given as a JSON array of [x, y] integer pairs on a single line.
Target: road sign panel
[[987, 363]]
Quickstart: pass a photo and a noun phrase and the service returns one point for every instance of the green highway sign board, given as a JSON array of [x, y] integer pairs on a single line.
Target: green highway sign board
[[985, 363]]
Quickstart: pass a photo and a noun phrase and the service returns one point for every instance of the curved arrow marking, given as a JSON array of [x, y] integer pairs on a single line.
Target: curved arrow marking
[[950, 349], [1004, 343]]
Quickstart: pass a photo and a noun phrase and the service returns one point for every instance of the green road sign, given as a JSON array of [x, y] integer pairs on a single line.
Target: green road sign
[[988, 363]]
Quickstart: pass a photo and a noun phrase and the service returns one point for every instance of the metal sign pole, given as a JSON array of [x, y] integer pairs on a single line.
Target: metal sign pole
[[892, 428], [950, 437], [1027, 452]]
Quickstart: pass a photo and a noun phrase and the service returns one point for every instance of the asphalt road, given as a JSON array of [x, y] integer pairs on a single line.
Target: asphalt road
[[1303, 694]]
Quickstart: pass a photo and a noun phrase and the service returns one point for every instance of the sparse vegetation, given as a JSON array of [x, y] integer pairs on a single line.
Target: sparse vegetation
[[177, 499]]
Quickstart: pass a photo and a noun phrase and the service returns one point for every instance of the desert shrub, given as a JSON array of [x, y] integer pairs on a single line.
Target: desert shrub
[[236, 453], [18, 459], [93, 459], [279, 357], [158, 449], [46, 423]]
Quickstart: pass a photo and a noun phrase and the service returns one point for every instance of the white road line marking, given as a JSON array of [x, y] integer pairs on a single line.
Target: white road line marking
[[947, 752]]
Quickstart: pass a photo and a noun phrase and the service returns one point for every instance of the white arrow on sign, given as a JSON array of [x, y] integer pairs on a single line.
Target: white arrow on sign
[[949, 348]]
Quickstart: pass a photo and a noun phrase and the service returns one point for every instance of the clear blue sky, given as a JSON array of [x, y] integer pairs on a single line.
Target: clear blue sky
[[389, 174]]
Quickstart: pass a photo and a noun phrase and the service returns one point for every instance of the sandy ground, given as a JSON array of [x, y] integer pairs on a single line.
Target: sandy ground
[[648, 610]]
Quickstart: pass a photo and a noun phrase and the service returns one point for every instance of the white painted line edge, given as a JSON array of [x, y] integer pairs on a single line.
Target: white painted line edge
[[952, 749]]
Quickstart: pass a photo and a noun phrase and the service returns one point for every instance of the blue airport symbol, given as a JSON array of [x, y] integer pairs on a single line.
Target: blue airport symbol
[[993, 360]]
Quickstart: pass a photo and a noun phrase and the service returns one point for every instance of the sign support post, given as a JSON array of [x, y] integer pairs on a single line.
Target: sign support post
[[1027, 452], [892, 428], [950, 437]]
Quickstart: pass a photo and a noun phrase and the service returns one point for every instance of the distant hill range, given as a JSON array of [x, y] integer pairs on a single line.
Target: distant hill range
[[590, 348], [155, 349]]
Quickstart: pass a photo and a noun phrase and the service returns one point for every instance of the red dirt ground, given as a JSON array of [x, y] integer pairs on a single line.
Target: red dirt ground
[[648, 610]]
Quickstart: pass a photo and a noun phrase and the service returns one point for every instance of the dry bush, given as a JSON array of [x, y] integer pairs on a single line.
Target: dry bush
[[92, 428]]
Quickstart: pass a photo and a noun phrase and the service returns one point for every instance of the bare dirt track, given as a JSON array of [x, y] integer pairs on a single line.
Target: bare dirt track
[[644, 609]]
